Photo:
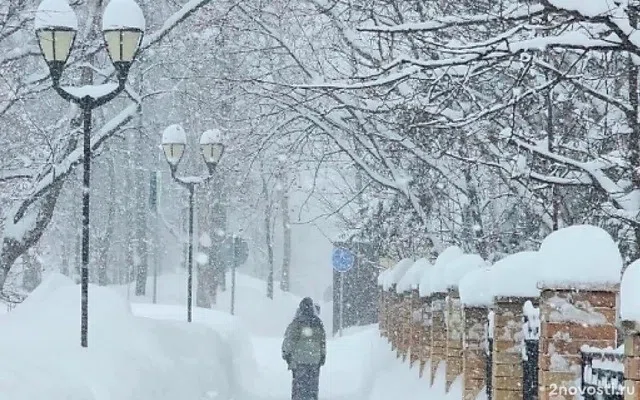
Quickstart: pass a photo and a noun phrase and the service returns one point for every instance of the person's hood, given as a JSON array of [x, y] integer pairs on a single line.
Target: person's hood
[[306, 307]]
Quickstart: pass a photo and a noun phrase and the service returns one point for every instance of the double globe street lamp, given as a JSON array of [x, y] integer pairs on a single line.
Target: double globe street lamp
[[174, 143], [56, 26]]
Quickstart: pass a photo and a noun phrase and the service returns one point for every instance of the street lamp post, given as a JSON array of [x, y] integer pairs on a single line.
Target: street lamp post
[[174, 142], [123, 27]]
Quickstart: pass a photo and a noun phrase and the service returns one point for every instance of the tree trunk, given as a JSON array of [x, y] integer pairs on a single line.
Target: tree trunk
[[131, 250], [32, 273], [268, 238], [634, 123], [217, 225], [286, 229], [13, 248], [105, 247]]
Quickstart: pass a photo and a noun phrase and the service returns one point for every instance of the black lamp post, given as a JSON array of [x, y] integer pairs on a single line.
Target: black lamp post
[[174, 142], [56, 26]]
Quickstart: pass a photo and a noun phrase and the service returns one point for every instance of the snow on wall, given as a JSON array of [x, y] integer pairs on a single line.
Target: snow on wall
[[582, 256], [411, 278], [431, 279], [563, 311], [516, 275], [381, 277], [475, 288], [457, 269], [629, 298], [396, 273], [491, 324], [530, 328]]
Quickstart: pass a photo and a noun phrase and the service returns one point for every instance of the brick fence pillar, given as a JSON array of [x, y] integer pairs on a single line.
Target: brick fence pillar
[[506, 379], [632, 365], [405, 325], [474, 366], [571, 318], [425, 332], [388, 307], [438, 332], [394, 320], [454, 336], [415, 323]]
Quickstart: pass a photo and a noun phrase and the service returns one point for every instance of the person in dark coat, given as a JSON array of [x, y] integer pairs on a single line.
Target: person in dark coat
[[304, 349]]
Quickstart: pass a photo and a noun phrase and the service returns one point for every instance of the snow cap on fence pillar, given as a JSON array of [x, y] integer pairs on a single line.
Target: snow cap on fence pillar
[[475, 288], [411, 278], [396, 273], [516, 275], [455, 270], [382, 276], [629, 298], [579, 257], [436, 273]]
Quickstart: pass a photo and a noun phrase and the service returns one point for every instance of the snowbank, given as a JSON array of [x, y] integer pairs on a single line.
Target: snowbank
[[411, 279], [475, 288], [433, 278], [396, 273], [516, 275], [235, 353], [260, 315], [629, 299], [581, 256], [128, 358]]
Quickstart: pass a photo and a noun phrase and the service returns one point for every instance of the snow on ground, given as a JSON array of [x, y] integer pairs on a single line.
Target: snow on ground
[[348, 374], [158, 355], [128, 357], [360, 365], [261, 317]]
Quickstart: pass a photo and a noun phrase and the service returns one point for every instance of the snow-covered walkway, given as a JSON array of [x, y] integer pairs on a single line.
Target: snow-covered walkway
[[143, 351]]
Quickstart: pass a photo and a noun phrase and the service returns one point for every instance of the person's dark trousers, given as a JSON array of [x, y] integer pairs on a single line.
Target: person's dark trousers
[[306, 380]]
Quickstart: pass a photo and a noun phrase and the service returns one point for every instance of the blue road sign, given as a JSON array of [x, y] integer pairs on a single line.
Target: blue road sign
[[342, 259]]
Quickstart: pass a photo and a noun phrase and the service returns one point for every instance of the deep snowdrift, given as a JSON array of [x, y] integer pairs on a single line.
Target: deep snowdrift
[[261, 316], [128, 357]]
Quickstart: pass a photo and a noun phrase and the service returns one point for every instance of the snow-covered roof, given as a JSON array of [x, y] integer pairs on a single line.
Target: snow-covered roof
[[55, 14], [396, 273], [516, 275], [475, 288], [411, 279], [581, 256], [456, 269], [629, 298], [212, 136], [123, 14], [433, 276], [174, 134]]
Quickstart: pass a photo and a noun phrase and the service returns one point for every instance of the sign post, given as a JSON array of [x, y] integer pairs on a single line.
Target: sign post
[[239, 253], [233, 274], [342, 260]]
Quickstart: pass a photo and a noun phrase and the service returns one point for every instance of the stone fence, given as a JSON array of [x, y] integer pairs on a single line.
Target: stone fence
[[440, 329], [542, 325]]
